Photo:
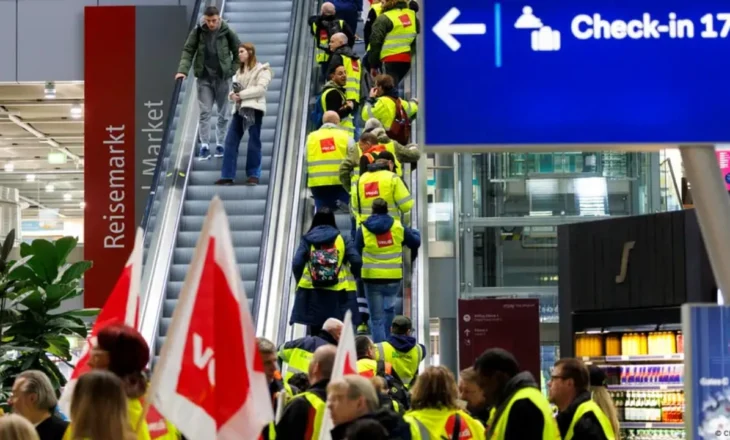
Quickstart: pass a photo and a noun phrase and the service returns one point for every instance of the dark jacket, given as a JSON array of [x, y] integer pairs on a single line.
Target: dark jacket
[[368, 29], [315, 306], [398, 429], [194, 50], [525, 420], [587, 427], [335, 101], [299, 415], [308, 343], [327, 22], [380, 223], [379, 30], [336, 58], [53, 428]]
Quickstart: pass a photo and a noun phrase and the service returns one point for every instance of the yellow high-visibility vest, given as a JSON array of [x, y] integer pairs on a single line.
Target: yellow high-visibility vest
[[326, 150], [436, 424], [389, 146], [550, 429], [322, 42], [382, 184], [587, 407], [405, 364], [401, 37], [353, 68], [382, 256], [347, 124]]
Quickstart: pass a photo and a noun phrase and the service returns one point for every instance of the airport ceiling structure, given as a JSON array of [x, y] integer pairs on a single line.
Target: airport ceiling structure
[[42, 146]]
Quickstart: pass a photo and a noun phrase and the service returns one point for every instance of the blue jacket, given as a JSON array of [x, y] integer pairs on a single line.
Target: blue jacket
[[324, 235], [314, 306], [379, 223], [348, 5]]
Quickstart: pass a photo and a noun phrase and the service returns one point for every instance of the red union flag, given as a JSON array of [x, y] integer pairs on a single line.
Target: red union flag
[[345, 363], [210, 381], [122, 306]]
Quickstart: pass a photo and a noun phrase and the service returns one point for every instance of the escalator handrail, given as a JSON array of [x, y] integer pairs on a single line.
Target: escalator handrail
[[294, 230], [278, 160], [194, 20]]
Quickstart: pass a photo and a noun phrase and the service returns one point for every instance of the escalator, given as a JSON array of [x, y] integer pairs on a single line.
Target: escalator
[[184, 193]]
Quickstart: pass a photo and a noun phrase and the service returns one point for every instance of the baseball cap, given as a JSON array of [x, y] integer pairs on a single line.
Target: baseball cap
[[402, 324]]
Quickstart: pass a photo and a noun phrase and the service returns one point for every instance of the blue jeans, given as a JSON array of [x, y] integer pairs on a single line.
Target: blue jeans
[[328, 196], [381, 302], [236, 129]]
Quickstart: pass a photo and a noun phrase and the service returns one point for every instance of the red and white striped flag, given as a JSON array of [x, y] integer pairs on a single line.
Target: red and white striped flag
[[122, 306], [345, 363], [210, 381]]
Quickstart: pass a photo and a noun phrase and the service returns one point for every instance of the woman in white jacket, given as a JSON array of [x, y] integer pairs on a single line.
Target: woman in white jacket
[[249, 95]]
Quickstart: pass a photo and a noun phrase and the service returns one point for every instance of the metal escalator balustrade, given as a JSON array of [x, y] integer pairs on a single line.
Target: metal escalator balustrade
[[268, 25]]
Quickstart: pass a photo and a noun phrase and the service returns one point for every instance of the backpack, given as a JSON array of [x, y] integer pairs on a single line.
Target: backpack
[[400, 129], [396, 390], [317, 112], [323, 265]]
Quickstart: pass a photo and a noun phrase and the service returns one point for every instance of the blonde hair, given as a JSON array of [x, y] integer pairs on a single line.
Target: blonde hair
[[15, 427], [356, 386], [603, 400], [99, 408], [436, 389]]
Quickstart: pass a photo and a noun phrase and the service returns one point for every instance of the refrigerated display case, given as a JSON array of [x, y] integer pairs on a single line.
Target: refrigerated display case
[[644, 371]]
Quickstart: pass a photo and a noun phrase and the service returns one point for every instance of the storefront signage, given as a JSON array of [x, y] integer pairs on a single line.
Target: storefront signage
[[540, 72], [131, 55]]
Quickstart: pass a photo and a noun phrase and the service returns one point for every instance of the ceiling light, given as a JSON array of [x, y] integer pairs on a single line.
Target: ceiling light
[[82, 205], [67, 197], [56, 158], [9, 167], [76, 111], [50, 188], [30, 177], [49, 90]]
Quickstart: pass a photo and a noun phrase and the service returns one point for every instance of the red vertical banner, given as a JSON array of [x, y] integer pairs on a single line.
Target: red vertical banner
[[511, 324], [109, 97]]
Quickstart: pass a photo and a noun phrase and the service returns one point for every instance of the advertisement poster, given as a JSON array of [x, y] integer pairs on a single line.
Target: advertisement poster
[[723, 159], [511, 324], [707, 367]]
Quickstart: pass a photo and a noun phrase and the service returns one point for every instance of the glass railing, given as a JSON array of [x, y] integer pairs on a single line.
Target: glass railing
[[671, 196]]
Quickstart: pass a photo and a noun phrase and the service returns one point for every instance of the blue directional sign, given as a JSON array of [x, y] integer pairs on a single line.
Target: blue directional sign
[[535, 72]]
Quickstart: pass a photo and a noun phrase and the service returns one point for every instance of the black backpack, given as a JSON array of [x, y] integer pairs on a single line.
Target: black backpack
[[396, 390]]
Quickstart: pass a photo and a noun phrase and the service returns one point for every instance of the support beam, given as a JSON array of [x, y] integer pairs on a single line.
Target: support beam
[[37, 204], [49, 140]]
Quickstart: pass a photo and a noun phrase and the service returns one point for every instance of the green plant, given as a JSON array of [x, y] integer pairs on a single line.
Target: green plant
[[31, 290]]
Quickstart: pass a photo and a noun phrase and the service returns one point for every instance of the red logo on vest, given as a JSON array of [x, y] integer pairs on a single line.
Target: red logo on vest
[[464, 431], [323, 37], [327, 145], [405, 20], [385, 239], [355, 65], [372, 189]]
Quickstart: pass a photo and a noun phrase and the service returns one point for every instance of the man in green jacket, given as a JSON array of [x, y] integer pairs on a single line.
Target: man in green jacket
[[212, 50]]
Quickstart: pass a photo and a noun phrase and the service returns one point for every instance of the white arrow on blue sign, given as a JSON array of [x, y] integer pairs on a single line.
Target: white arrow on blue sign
[[445, 29]]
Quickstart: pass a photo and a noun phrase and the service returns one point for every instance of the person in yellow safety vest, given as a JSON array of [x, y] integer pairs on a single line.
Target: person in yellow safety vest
[[579, 417], [323, 27], [367, 366], [326, 149], [352, 400], [350, 167], [392, 39], [342, 55], [267, 350], [386, 401], [298, 354], [379, 182], [471, 393], [375, 10], [522, 412], [380, 240], [302, 417], [600, 395], [382, 103], [334, 99], [402, 350], [435, 413]]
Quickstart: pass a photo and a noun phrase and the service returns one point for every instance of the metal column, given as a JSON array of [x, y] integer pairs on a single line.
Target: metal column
[[713, 209]]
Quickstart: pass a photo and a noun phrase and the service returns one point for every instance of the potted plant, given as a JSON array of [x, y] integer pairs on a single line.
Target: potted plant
[[32, 330]]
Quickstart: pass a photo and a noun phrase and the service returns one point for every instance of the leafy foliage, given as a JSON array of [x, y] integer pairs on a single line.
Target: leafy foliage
[[31, 289]]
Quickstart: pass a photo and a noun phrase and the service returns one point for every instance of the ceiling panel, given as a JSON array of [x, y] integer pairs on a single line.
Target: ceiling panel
[[32, 126]]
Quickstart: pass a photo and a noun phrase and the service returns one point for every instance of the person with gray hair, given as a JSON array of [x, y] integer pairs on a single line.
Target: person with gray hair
[[297, 354], [349, 168], [352, 399], [34, 398], [323, 27], [343, 55]]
